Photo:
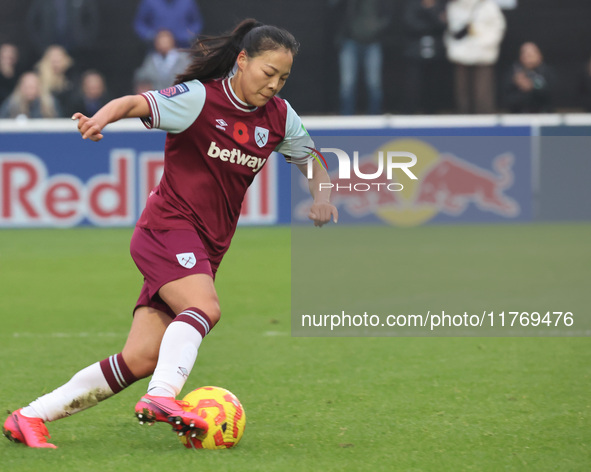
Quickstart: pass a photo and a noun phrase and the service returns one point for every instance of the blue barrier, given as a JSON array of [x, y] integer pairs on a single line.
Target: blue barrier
[[469, 169]]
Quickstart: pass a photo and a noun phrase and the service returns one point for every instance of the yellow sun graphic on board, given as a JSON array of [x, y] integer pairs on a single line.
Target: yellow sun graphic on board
[[403, 212]]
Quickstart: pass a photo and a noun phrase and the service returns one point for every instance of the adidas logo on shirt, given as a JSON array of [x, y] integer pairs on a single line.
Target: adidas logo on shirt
[[235, 156]]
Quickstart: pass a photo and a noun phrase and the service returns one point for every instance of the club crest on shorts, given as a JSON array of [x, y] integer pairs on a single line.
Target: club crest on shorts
[[186, 259], [261, 136]]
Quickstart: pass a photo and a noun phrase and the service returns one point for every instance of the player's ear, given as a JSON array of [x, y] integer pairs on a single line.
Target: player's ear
[[242, 59]]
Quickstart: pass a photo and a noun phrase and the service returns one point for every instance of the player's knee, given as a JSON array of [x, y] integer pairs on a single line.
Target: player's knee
[[211, 308], [213, 311]]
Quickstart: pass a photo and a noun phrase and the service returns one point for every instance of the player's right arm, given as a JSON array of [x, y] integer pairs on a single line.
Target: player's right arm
[[129, 106]]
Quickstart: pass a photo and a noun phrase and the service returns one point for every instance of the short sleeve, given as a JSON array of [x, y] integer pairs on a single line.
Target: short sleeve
[[297, 144], [175, 108]]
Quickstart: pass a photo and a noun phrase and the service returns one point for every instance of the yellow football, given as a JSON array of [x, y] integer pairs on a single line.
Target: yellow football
[[224, 414]]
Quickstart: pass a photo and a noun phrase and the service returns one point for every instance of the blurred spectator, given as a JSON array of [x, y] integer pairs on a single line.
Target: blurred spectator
[[424, 24], [28, 100], [586, 86], [161, 66], [91, 95], [141, 85], [528, 86], [73, 24], [9, 69], [57, 75], [507, 4], [363, 26], [473, 38], [181, 17]]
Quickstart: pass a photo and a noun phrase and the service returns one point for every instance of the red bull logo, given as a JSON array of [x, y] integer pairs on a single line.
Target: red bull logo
[[453, 183], [443, 183]]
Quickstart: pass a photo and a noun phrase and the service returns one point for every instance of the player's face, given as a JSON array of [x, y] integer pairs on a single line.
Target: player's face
[[261, 77]]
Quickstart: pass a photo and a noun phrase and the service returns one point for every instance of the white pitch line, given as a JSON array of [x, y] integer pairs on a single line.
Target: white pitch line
[[69, 335], [105, 335]]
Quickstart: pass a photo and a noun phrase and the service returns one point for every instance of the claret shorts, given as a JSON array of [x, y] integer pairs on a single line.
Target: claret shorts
[[163, 256]]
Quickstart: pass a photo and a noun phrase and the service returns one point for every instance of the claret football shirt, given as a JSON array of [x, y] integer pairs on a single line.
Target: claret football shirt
[[215, 146]]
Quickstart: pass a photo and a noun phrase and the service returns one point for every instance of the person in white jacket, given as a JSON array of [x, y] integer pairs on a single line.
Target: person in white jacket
[[473, 39]]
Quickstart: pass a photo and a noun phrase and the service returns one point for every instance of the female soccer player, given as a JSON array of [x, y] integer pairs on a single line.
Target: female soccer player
[[222, 128]]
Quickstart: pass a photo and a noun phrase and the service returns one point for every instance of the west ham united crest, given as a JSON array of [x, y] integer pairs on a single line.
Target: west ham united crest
[[186, 259], [261, 135]]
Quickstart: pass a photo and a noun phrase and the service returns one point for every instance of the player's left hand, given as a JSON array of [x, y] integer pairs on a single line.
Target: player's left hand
[[321, 212]]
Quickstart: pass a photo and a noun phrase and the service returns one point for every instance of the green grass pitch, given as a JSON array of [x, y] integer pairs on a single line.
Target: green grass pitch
[[312, 404]]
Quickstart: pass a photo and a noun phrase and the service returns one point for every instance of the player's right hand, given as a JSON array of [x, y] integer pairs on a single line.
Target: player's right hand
[[88, 127]]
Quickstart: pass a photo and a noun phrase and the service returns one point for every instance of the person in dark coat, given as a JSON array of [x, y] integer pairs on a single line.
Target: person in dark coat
[[529, 84], [424, 52], [72, 24], [363, 26], [585, 86]]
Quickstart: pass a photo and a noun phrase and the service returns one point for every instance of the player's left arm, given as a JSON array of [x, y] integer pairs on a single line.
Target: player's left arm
[[295, 148], [321, 210]]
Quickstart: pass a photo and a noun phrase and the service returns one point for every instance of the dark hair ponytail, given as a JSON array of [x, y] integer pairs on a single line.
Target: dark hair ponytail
[[214, 57]]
